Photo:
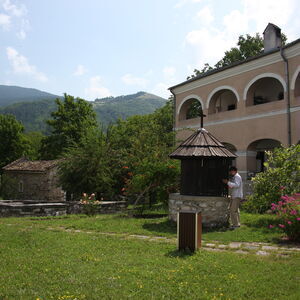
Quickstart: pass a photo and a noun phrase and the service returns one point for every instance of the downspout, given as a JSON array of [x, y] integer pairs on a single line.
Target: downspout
[[288, 107], [174, 115]]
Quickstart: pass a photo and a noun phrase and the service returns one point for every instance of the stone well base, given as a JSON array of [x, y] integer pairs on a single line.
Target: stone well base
[[214, 210]]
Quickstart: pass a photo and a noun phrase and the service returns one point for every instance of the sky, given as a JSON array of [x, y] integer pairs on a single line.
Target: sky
[[99, 48]]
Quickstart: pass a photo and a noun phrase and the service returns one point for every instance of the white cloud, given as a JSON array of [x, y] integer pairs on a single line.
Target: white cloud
[[96, 89], [161, 89], [169, 72], [169, 79], [16, 16], [282, 13], [129, 79], [184, 2], [15, 10], [209, 42], [21, 65], [80, 70], [5, 21], [205, 15], [235, 22]]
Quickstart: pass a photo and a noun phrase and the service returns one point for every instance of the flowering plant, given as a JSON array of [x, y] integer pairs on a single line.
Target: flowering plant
[[288, 212], [90, 204]]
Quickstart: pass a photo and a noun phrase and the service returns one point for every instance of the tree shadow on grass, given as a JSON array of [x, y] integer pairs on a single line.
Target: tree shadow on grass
[[166, 226], [169, 226]]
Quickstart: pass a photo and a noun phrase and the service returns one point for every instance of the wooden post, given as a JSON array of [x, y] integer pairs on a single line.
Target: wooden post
[[189, 230]]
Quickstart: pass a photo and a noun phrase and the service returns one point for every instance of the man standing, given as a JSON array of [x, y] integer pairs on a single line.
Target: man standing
[[236, 191]]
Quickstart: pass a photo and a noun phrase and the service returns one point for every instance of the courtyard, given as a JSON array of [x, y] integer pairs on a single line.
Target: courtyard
[[118, 257]]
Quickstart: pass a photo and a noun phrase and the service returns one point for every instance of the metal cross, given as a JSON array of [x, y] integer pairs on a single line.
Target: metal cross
[[201, 117]]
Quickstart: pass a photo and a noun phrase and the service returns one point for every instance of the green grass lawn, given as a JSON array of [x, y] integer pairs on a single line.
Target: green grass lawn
[[39, 263], [254, 228]]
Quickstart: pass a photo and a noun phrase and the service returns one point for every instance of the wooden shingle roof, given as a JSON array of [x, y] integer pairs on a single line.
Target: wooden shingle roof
[[25, 165], [201, 144]]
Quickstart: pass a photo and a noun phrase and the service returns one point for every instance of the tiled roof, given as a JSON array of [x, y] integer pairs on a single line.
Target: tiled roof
[[201, 144], [26, 165], [234, 64]]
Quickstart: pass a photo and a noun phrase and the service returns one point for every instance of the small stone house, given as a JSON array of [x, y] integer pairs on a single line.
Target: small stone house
[[34, 180]]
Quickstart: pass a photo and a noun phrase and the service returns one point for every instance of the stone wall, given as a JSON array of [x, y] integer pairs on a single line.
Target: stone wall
[[106, 207], [214, 210], [31, 208]]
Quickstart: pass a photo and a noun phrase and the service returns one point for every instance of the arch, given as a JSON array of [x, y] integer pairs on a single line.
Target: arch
[[293, 81], [256, 154], [217, 89], [192, 96], [260, 76]]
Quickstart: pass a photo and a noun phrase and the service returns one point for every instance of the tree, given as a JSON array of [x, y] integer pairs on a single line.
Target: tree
[[13, 143], [130, 159], [89, 167], [144, 143], [247, 46], [72, 120], [34, 139]]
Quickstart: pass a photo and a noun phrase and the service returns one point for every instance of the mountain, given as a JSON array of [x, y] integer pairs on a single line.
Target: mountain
[[33, 114], [109, 109], [14, 94]]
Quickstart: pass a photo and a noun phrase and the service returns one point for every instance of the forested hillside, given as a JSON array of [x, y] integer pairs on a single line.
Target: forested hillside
[[14, 94], [34, 113], [108, 110]]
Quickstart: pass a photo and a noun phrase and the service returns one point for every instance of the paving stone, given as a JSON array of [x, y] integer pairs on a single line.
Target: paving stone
[[250, 247], [213, 249], [293, 249], [222, 246], [262, 253], [235, 245], [241, 252], [210, 245], [269, 248], [140, 236]]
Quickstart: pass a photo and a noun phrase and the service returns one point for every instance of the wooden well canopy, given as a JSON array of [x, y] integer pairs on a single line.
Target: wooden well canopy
[[204, 163]]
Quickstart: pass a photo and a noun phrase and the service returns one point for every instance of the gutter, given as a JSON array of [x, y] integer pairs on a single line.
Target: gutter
[[174, 114], [288, 107]]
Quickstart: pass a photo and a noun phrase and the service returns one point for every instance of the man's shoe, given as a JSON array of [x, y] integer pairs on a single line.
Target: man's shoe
[[234, 227]]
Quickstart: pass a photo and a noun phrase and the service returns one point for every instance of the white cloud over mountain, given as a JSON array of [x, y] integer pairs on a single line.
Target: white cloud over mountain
[[130, 79], [96, 89], [80, 70], [21, 65]]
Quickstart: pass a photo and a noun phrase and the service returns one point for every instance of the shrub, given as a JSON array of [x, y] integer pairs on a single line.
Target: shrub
[[282, 176], [90, 204], [288, 212]]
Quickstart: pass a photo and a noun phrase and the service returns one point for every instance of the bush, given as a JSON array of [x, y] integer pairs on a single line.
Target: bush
[[282, 176], [288, 212], [91, 206]]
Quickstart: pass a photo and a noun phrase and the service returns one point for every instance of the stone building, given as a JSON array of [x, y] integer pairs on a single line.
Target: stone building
[[251, 106], [34, 180]]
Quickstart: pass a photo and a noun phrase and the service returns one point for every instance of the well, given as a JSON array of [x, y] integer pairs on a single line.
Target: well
[[204, 163]]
